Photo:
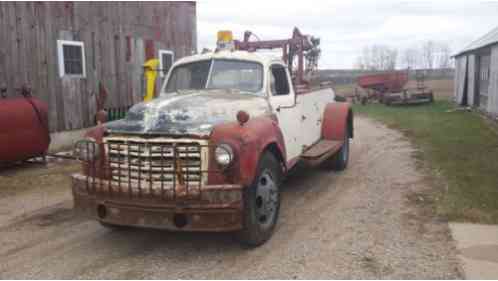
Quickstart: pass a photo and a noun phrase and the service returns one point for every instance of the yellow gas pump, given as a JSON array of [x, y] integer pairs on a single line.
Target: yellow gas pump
[[150, 73]]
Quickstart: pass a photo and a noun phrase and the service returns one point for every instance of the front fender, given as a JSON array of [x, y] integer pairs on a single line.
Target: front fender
[[249, 142], [337, 121]]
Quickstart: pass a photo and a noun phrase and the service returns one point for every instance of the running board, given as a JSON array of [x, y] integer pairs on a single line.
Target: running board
[[321, 151]]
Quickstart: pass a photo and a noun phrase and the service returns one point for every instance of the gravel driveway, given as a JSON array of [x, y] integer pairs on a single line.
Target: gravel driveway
[[368, 222]]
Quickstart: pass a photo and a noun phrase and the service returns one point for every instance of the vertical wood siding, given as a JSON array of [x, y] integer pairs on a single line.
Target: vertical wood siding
[[460, 77], [493, 82], [471, 75], [117, 37]]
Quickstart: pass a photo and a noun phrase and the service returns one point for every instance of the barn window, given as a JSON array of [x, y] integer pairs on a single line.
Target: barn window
[[166, 58], [71, 56]]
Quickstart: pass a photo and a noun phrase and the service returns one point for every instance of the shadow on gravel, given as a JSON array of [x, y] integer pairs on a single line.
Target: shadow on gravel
[[302, 183], [15, 168], [303, 186], [54, 216], [303, 180]]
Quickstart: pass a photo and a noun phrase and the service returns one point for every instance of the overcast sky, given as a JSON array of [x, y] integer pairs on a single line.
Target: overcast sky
[[345, 27]]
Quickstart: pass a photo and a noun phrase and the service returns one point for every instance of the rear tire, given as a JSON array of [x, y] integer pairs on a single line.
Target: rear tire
[[340, 160], [340, 99], [261, 203]]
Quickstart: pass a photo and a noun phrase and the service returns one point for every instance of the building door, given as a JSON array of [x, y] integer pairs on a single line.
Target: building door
[[483, 80]]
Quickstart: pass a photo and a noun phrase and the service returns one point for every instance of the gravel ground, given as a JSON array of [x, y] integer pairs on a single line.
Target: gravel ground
[[369, 221]]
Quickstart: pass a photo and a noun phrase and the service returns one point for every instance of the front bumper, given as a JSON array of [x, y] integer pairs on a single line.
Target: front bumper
[[209, 208]]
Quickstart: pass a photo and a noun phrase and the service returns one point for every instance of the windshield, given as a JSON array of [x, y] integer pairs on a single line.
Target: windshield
[[222, 74]]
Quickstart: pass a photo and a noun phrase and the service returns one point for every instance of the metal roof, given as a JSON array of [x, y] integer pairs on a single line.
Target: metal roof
[[486, 40]]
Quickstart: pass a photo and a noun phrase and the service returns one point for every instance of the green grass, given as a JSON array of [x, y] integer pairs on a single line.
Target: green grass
[[459, 147]]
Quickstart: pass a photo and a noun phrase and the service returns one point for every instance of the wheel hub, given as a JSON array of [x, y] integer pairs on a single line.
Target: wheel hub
[[266, 199]]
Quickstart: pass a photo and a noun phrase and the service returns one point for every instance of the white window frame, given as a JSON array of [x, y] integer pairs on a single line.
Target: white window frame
[[161, 52], [60, 54]]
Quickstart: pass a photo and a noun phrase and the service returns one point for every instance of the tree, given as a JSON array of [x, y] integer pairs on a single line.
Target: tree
[[410, 58], [359, 64], [443, 56], [377, 57], [428, 54], [390, 57]]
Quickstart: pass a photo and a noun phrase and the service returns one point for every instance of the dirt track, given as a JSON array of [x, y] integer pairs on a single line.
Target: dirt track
[[370, 221]]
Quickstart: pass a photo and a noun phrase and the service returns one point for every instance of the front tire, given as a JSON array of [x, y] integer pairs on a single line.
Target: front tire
[[261, 203]]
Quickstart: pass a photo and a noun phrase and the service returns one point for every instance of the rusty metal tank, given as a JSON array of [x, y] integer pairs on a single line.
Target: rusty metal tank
[[23, 129]]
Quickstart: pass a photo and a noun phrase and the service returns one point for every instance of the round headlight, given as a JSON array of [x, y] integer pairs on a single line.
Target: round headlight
[[223, 155], [86, 150]]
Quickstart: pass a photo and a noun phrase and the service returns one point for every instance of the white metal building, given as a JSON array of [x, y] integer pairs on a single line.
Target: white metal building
[[476, 73]]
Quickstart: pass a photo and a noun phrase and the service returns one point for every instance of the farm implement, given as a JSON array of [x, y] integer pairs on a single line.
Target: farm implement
[[389, 88]]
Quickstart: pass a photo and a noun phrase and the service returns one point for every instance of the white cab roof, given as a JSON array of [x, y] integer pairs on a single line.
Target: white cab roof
[[262, 58]]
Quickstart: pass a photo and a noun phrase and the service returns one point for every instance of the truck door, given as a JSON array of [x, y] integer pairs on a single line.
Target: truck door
[[287, 110]]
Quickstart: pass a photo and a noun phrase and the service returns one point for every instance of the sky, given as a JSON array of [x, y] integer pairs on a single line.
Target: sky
[[346, 27]]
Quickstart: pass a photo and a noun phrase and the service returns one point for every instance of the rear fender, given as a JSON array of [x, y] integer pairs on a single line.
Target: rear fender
[[337, 121], [249, 141]]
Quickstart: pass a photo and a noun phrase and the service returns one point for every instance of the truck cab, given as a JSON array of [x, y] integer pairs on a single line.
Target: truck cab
[[211, 151]]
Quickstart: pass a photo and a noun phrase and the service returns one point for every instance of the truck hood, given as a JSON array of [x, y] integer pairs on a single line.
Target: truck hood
[[189, 112]]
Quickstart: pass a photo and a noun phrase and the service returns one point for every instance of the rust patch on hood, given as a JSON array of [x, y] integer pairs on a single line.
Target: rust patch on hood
[[189, 112]]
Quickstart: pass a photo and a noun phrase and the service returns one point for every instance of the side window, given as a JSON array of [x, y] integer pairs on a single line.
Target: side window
[[166, 58], [71, 56], [278, 81]]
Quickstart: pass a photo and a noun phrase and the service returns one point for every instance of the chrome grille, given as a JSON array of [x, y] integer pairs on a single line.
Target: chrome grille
[[156, 162]]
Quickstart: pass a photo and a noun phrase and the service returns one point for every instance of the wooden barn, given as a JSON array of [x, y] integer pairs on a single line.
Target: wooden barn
[[476, 74], [62, 50]]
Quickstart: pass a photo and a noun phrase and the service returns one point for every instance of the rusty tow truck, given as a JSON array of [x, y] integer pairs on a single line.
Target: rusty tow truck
[[211, 151]]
